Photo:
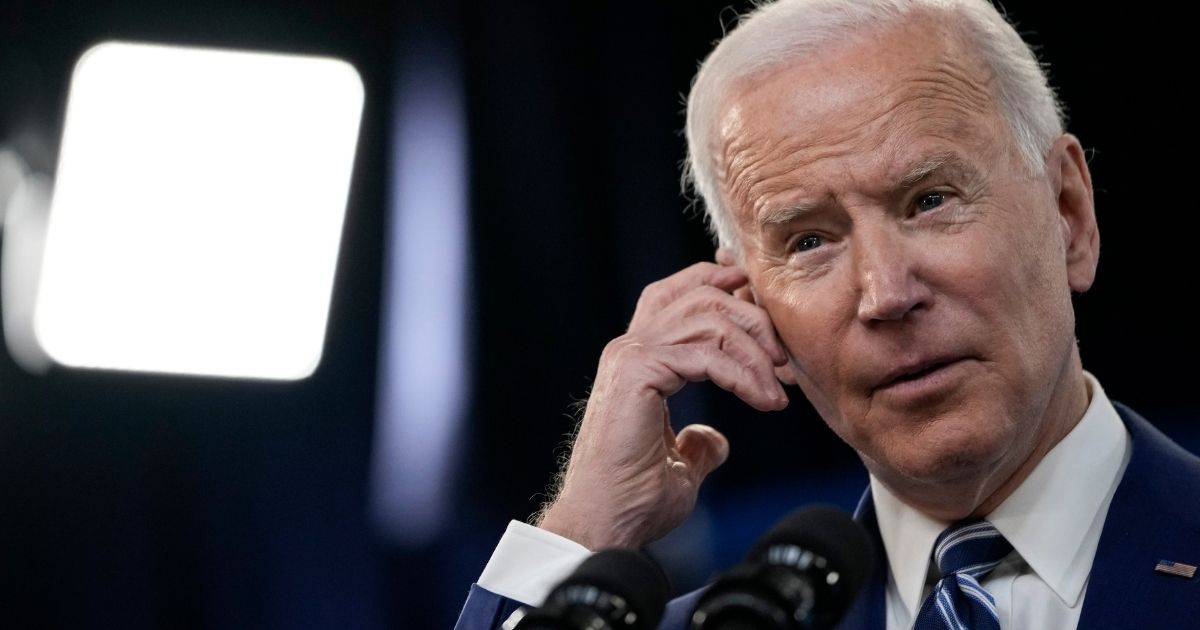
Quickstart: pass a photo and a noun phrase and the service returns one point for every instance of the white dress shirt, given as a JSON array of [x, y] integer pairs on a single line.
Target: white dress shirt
[[1053, 521]]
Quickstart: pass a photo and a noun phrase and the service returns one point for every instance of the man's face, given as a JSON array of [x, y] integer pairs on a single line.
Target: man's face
[[918, 275]]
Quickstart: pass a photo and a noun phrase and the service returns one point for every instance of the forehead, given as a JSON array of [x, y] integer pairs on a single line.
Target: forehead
[[866, 110]]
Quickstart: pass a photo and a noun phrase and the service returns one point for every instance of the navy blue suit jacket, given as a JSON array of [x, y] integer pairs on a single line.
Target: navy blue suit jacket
[[1154, 515]]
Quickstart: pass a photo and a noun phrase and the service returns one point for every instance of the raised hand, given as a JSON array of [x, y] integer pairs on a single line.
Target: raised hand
[[630, 478]]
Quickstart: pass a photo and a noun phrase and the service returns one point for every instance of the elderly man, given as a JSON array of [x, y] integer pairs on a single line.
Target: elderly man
[[902, 221]]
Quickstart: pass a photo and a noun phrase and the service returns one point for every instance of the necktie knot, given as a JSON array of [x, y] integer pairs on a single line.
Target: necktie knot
[[964, 553], [973, 548]]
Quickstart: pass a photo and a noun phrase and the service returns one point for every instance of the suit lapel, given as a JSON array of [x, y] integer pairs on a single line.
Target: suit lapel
[[868, 612], [1154, 515]]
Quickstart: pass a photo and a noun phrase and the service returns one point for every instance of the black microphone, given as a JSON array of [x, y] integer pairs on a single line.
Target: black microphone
[[801, 575], [615, 589]]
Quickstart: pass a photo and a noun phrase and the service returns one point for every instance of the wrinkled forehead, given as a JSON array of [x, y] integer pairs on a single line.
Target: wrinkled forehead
[[876, 96], [926, 53]]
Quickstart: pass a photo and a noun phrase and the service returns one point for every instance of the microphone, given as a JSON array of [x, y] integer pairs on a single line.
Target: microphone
[[801, 575], [615, 589]]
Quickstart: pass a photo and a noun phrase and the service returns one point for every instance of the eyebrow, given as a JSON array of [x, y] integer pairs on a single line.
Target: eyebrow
[[786, 215], [945, 161], [948, 161]]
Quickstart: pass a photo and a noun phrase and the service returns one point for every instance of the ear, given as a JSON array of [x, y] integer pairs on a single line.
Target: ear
[[1067, 168], [726, 258]]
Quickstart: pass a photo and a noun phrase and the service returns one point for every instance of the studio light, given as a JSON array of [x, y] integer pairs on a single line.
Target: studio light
[[197, 211]]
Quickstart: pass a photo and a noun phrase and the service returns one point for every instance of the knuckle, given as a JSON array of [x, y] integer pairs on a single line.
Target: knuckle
[[624, 350], [722, 328], [616, 348], [655, 290], [710, 296], [759, 319], [652, 299], [710, 353]]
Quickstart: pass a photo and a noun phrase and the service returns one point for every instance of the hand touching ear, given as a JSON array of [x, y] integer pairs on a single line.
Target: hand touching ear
[[726, 258], [630, 478]]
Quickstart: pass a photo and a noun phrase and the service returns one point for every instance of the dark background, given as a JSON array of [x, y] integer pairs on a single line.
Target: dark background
[[151, 501]]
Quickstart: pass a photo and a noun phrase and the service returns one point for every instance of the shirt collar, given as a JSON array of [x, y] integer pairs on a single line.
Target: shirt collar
[[1053, 519]]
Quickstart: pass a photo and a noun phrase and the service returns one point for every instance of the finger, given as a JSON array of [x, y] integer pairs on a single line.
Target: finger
[[658, 294], [716, 329], [703, 448], [785, 373], [700, 362], [726, 257], [703, 301], [745, 294]]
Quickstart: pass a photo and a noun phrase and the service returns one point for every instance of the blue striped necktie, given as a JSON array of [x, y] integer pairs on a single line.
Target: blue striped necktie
[[964, 553]]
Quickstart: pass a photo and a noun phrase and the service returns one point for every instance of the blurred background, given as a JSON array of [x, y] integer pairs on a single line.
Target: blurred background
[[516, 185]]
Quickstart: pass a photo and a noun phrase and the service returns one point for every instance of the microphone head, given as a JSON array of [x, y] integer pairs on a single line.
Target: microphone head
[[828, 532], [803, 574], [629, 575]]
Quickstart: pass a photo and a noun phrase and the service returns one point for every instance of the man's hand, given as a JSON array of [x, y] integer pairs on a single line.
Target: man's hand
[[631, 479]]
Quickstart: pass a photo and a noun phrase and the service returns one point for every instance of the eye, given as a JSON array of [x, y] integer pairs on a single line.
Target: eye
[[929, 201], [807, 242]]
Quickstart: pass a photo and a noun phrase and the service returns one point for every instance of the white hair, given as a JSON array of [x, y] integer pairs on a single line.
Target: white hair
[[776, 33]]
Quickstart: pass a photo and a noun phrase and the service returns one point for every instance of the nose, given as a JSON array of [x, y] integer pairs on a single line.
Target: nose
[[887, 274]]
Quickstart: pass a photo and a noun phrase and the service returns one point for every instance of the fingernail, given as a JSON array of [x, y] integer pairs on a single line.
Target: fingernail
[[781, 399]]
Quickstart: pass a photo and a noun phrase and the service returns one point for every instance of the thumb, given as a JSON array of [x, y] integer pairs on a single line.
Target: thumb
[[703, 448]]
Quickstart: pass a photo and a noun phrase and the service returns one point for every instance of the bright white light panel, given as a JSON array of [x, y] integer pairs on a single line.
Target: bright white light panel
[[197, 211]]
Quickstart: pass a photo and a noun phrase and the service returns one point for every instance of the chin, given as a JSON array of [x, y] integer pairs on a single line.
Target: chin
[[941, 455]]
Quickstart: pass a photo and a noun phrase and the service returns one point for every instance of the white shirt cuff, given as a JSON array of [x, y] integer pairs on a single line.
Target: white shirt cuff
[[529, 562]]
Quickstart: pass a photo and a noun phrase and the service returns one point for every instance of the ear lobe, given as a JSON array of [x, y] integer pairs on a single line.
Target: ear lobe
[[1076, 209]]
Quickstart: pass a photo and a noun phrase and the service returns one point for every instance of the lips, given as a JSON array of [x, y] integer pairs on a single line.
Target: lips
[[913, 370]]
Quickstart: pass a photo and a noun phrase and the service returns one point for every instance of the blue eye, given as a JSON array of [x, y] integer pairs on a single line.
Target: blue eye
[[929, 201], [810, 241]]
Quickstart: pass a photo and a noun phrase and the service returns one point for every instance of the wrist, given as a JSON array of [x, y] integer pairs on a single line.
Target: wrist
[[583, 527], [557, 520]]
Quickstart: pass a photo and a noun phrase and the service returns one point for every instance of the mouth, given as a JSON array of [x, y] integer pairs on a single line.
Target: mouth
[[915, 371]]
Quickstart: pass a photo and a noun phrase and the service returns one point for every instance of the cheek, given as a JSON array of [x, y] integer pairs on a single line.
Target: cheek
[[969, 274], [811, 324], [1024, 272], [803, 315], [1004, 291]]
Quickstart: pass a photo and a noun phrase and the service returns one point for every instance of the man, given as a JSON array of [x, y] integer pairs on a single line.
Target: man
[[902, 221]]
